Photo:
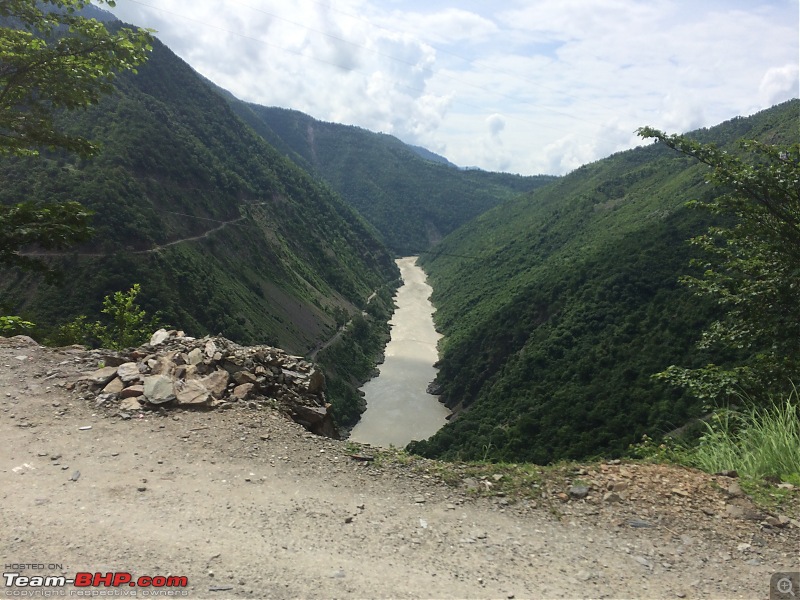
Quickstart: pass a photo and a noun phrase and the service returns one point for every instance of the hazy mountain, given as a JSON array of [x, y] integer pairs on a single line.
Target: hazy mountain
[[409, 196]]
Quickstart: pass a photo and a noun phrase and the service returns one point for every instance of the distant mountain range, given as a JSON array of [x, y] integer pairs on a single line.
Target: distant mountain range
[[412, 197]]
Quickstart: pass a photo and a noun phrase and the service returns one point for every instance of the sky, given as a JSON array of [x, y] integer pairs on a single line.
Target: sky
[[522, 86]]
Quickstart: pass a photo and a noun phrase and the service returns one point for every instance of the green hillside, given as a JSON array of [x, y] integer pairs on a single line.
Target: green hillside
[[224, 233], [411, 201], [559, 307]]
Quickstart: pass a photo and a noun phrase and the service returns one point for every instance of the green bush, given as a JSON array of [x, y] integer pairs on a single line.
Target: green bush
[[11, 325], [129, 325], [755, 442]]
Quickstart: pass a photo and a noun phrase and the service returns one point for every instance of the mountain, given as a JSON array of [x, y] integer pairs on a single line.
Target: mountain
[[223, 232], [412, 198], [558, 307]]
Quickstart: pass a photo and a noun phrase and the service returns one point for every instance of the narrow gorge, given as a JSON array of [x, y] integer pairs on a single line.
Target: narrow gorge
[[399, 409]]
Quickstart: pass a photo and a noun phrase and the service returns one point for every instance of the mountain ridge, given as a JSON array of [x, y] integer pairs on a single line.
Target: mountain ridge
[[571, 303]]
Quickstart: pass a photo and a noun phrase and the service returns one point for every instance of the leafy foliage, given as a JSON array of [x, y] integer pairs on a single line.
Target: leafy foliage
[[53, 57], [13, 325], [127, 324], [48, 226], [750, 267], [558, 308]]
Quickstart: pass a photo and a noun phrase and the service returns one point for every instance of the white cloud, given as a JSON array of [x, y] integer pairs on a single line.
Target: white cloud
[[525, 86], [778, 83]]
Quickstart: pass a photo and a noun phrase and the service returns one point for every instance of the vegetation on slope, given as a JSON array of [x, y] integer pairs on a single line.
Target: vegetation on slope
[[569, 302], [411, 201], [223, 233]]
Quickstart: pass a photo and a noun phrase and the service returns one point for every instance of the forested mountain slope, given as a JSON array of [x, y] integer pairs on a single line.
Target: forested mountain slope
[[224, 233], [560, 306], [412, 201]]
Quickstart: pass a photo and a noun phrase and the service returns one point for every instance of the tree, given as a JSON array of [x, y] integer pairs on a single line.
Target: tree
[[53, 58], [752, 269]]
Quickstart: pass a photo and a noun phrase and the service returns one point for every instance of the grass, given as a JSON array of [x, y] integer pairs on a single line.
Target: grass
[[757, 442]]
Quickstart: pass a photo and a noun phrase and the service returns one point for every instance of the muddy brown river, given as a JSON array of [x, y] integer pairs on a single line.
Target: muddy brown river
[[398, 407]]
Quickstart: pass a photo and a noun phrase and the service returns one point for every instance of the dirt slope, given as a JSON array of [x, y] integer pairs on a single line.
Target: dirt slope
[[246, 504]]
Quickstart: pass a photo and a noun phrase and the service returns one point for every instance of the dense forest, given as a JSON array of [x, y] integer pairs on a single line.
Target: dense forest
[[412, 198], [558, 308], [224, 234]]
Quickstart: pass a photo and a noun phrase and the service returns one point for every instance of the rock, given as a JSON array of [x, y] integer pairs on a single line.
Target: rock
[[734, 511], [244, 377], [159, 337], [115, 386], [192, 393], [216, 383], [164, 365], [195, 357], [612, 497], [617, 486], [779, 522], [471, 484], [316, 382], [734, 490], [130, 404], [210, 349], [129, 372], [159, 389], [639, 524], [419, 500], [133, 391], [101, 377], [579, 491], [732, 474], [240, 392], [316, 419]]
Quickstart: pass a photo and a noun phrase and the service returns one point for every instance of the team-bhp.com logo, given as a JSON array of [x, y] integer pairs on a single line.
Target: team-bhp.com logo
[[95, 580]]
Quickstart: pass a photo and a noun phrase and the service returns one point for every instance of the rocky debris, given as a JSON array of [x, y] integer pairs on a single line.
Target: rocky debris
[[174, 369]]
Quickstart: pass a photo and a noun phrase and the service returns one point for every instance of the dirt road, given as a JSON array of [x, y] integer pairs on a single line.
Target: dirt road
[[246, 504]]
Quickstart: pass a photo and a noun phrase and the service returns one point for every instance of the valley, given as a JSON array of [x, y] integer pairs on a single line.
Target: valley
[[558, 297]]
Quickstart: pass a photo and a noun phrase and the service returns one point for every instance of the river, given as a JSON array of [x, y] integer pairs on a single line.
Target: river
[[398, 407]]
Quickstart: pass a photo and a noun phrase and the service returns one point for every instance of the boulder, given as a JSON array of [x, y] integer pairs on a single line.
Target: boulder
[[192, 393], [132, 391], [241, 377], [316, 419], [159, 337], [316, 382], [194, 357], [240, 392], [115, 386], [129, 404], [216, 383], [159, 389], [101, 377], [129, 372]]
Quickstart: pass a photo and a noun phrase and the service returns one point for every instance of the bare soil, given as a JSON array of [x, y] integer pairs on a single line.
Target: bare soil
[[246, 504]]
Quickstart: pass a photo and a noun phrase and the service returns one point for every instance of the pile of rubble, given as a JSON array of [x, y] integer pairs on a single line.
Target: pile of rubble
[[212, 372]]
